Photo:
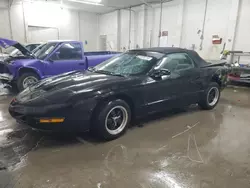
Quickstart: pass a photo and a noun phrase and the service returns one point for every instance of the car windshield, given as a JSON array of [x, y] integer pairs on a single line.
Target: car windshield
[[38, 48], [45, 50], [129, 63]]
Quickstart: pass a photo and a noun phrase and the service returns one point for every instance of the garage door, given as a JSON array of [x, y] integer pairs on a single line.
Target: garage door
[[42, 34]]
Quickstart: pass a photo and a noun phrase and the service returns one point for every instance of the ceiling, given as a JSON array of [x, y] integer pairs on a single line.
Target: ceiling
[[109, 5]]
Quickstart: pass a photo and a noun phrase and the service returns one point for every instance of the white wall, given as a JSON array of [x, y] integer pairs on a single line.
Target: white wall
[[4, 20], [242, 37], [192, 23], [242, 40], [125, 14], [4, 23], [89, 30], [109, 27], [52, 15], [184, 19], [3, 3], [120, 41], [181, 18], [216, 23], [170, 22], [17, 23], [71, 24], [138, 27]]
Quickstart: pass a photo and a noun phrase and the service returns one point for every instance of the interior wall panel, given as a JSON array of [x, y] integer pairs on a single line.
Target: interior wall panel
[[4, 23], [108, 26]]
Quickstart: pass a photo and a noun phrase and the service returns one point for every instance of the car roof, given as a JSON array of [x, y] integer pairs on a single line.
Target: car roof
[[167, 50], [62, 41], [164, 50]]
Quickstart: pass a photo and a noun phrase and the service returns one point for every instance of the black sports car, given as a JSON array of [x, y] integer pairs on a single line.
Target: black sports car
[[106, 97]]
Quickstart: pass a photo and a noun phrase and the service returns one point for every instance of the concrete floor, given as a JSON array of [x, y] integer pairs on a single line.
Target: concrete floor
[[189, 149]]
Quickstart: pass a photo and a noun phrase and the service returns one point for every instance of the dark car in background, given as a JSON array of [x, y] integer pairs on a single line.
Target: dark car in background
[[104, 98]]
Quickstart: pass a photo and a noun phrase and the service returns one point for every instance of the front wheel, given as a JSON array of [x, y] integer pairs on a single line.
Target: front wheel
[[112, 119], [26, 79], [211, 97]]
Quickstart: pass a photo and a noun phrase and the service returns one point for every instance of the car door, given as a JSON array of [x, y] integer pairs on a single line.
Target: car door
[[68, 57], [163, 93], [190, 76], [175, 90]]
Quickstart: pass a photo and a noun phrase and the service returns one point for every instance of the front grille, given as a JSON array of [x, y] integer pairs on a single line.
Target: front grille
[[4, 68]]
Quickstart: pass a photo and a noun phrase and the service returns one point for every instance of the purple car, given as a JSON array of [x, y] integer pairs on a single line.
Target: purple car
[[53, 58]]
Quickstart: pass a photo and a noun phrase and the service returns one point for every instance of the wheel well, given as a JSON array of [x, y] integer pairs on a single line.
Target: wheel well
[[27, 70], [216, 79], [123, 97]]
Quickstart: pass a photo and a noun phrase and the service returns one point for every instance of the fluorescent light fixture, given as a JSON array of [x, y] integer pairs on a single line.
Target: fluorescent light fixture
[[90, 2], [93, 1]]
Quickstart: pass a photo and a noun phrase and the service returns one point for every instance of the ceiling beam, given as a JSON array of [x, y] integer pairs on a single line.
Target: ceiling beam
[[146, 3]]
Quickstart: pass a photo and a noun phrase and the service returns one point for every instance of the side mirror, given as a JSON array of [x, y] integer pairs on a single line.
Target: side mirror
[[50, 60], [160, 73], [57, 53]]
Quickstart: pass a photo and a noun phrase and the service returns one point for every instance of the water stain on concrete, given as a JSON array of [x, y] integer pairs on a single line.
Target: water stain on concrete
[[213, 153]]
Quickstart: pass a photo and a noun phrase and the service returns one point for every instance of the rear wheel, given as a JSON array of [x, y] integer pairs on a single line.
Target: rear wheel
[[211, 97], [112, 119], [26, 79]]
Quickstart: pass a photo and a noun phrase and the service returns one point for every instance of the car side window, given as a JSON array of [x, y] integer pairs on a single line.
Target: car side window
[[68, 51], [176, 62]]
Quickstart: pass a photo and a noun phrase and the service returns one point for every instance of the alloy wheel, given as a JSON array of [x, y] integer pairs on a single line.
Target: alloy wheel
[[116, 120]]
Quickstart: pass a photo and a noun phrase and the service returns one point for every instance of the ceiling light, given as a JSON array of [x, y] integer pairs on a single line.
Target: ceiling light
[[90, 2], [93, 1]]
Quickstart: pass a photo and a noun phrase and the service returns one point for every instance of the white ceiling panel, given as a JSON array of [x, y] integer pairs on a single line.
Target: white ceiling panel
[[87, 7]]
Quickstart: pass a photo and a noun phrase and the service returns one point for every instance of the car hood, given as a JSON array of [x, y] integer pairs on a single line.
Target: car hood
[[78, 81], [84, 83], [5, 43]]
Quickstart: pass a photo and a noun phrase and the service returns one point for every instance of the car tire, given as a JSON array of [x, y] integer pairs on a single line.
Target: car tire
[[21, 82], [112, 119], [210, 97]]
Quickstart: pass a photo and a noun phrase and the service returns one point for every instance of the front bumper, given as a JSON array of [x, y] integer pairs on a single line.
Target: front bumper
[[6, 77], [5, 73], [76, 119]]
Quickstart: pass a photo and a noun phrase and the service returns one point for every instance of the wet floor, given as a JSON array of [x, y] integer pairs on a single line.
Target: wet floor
[[187, 149]]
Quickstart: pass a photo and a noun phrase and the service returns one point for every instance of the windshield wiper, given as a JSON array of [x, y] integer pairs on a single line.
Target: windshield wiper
[[91, 69], [108, 73], [116, 74]]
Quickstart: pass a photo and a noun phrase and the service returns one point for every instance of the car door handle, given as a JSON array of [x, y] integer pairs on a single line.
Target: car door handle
[[81, 63]]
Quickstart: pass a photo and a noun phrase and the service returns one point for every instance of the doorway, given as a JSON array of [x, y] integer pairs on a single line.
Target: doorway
[[42, 34], [103, 43]]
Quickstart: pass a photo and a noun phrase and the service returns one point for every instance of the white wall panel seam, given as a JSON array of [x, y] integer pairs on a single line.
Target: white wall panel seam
[[24, 23]]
